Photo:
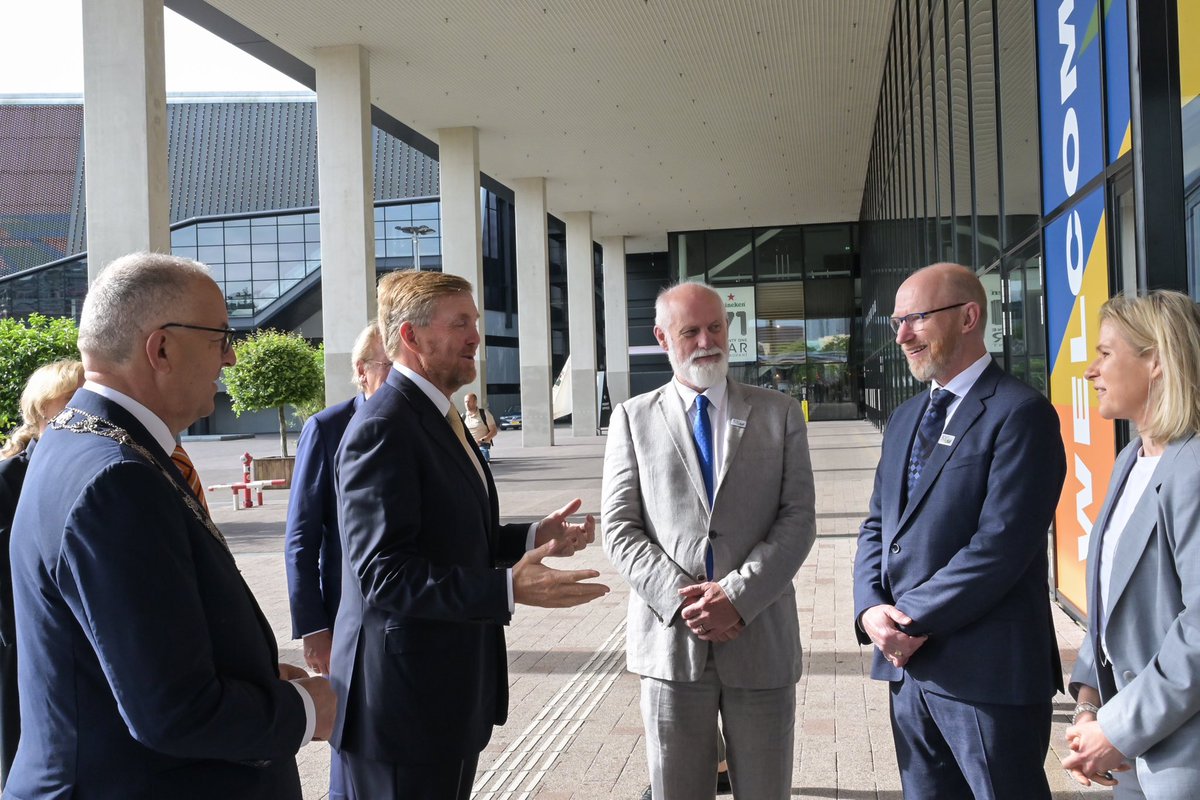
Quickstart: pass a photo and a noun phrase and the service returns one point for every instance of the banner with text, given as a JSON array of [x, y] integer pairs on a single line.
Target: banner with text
[[1076, 286]]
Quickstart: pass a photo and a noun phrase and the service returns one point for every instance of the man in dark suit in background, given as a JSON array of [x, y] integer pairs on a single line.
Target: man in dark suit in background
[[419, 658], [312, 546], [950, 578], [148, 669]]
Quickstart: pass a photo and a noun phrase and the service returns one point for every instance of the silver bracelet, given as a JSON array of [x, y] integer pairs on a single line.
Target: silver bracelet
[[1082, 708]]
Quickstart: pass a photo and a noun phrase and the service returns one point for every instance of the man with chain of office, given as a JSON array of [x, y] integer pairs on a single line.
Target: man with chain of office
[[148, 669]]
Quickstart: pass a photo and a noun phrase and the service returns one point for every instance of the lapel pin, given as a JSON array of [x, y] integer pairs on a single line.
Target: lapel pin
[[738, 423], [946, 440]]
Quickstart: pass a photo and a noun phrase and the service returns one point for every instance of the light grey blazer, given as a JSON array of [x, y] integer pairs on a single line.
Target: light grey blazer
[[656, 526], [1152, 624]]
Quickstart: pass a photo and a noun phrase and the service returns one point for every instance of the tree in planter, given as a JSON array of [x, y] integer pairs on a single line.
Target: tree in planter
[[26, 345], [274, 370]]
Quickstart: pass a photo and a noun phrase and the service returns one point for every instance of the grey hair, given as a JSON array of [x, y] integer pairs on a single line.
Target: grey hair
[[131, 296], [368, 337], [662, 316]]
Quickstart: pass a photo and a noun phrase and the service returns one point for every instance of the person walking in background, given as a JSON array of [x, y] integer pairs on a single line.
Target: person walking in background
[[708, 512], [1137, 677], [45, 395], [148, 669], [419, 660], [481, 424], [951, 569], [312, 545]]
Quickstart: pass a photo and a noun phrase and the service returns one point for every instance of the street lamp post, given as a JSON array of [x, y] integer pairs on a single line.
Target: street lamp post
[[416, 231]]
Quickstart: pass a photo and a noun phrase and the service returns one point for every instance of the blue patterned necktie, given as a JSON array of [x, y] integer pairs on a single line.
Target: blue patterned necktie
[[702, 433], [929, 431]]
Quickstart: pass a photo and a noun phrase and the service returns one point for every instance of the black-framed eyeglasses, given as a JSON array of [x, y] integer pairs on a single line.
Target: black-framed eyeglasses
[[916, 321], [226, 343]]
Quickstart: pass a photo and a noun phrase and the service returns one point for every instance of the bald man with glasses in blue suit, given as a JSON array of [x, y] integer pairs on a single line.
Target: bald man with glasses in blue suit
[[950, 577]]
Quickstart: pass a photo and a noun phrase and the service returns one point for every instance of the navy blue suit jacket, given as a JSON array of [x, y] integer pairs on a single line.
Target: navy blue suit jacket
[[147, 667], [312, 546], [965, 557], [419, 663]]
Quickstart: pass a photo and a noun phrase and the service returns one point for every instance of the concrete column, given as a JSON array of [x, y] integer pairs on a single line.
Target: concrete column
[[581, 310], [533, 317], [125, 130], [462, 228], [616, 319], [346, 174]]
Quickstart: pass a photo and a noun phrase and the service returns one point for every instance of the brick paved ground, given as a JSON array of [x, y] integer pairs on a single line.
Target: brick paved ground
[[574, 728]]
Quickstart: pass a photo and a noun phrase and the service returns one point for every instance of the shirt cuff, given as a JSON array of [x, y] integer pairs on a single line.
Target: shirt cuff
[[310, 714], [529, 539], [310, 633]]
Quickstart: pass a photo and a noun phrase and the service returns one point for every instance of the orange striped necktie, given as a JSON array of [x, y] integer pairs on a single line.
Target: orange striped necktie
[[180, 457]]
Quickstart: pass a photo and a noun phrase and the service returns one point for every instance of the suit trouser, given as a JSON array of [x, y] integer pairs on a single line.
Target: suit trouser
[[951, 749], [681, 737], [385, 780]]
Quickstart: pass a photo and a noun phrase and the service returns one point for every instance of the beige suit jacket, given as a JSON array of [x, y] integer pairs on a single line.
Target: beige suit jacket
[[656, 525]]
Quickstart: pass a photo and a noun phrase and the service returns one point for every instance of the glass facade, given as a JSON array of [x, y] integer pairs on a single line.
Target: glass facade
[[790, 292], [953, 176]]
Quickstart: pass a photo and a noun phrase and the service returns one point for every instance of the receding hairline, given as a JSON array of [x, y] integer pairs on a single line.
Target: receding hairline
[[670, 295]]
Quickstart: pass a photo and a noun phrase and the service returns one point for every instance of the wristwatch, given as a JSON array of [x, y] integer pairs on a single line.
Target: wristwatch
[[1083, 708]]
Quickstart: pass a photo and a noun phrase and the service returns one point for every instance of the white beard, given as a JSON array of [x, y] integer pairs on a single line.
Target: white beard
[[704, 376]]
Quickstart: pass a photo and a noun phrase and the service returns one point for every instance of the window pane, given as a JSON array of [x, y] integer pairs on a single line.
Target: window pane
[[729, 256], [779, 252]]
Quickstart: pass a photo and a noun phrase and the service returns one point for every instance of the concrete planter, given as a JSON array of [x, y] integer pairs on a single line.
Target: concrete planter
[[270, 468]]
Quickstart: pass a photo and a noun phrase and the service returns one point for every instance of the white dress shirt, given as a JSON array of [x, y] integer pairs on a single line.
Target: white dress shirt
[[962, 383], [1131, 493]]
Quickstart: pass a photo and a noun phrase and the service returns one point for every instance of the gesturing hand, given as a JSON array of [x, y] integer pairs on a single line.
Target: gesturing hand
[[535, 584], [572, 536], [1093, 757]]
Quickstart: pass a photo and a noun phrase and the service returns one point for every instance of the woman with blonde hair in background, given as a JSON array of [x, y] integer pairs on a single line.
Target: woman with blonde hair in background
[[46, 394], [1137, 678]]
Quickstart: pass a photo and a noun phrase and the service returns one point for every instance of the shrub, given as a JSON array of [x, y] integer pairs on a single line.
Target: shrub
[[26, 345], [275, 370]]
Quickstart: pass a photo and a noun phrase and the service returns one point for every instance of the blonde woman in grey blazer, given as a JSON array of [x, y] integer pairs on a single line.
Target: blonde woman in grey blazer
[[1137, 678], [710, 545]]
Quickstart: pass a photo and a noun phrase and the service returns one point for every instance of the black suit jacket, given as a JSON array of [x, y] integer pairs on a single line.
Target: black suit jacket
[[419, 663], [152, 673]]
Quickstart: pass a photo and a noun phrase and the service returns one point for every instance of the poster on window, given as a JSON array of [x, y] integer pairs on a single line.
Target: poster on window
[[739, 307]]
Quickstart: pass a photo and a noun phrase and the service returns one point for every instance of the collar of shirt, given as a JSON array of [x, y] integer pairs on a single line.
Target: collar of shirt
[[432, 392], [961, 383], [715, 395], [150, 421]]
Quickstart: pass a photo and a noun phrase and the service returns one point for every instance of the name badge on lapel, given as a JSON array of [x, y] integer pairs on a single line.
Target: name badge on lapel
[[946, 440], [738, 423]]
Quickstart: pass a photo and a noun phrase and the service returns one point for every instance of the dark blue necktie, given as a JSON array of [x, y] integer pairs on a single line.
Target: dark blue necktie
[[702, 433], [928, 432]]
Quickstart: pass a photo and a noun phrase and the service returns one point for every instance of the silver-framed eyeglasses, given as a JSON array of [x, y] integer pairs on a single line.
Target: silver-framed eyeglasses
[[916, 321], [226, 343]]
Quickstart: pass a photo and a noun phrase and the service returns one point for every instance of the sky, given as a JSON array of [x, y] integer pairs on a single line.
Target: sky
[[45, 56]]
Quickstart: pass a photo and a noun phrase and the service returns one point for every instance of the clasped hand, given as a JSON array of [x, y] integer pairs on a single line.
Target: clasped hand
[[709, 613], [1093, 757], [881, 623]]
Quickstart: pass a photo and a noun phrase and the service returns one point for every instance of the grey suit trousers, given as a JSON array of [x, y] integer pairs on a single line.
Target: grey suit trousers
[[681, 737]]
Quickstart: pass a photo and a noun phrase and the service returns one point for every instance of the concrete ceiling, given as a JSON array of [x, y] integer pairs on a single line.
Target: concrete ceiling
[[655, 115]]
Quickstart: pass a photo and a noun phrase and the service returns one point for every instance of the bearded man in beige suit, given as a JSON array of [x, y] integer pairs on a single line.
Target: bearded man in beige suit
[[708, 512]]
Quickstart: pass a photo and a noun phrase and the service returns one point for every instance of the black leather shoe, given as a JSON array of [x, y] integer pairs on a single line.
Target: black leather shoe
[[723, 784], [648, 794]]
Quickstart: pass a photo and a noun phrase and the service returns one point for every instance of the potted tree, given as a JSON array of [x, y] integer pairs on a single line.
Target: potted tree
[[274, 370]]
